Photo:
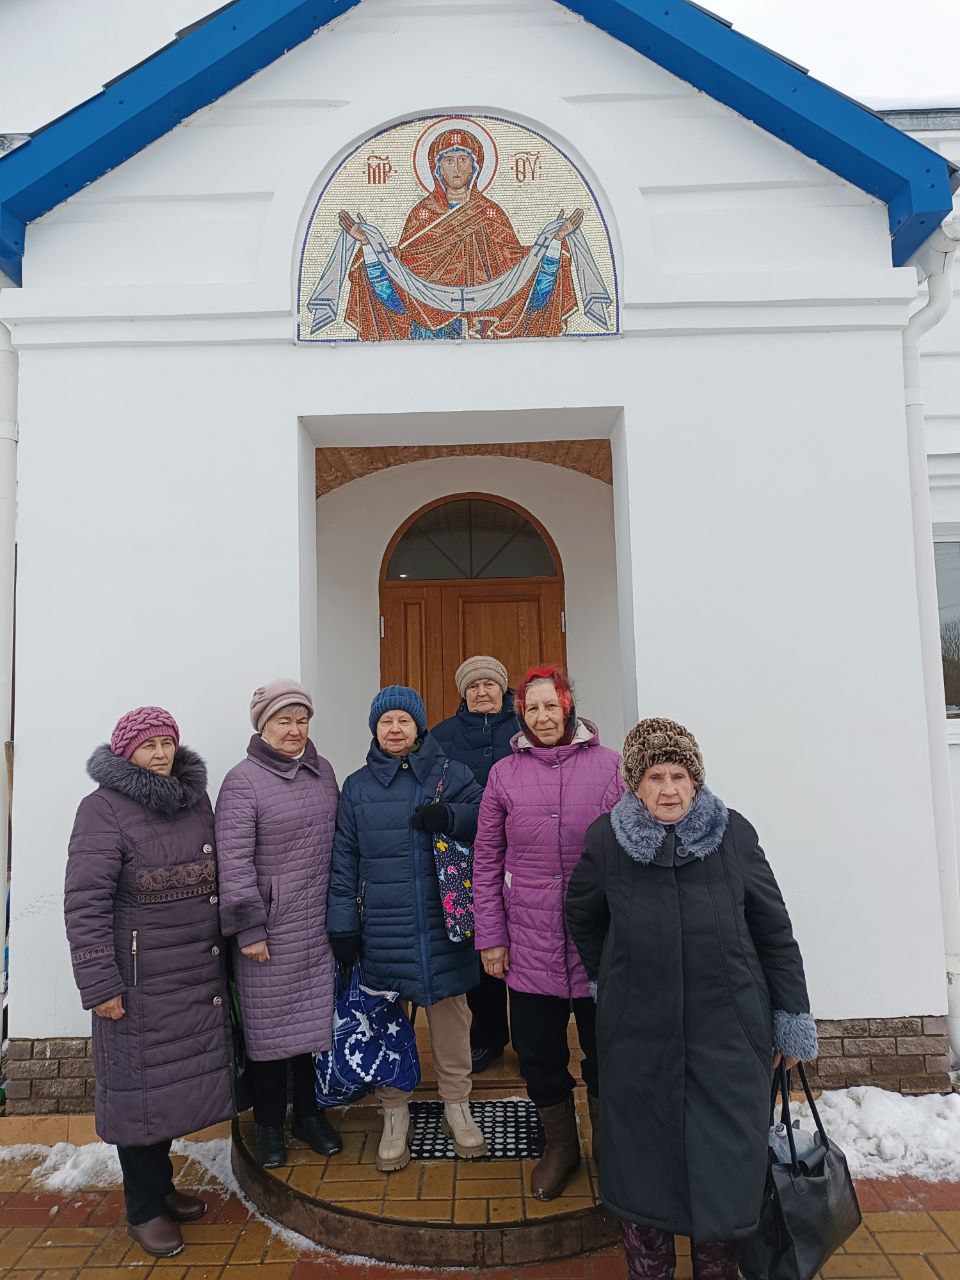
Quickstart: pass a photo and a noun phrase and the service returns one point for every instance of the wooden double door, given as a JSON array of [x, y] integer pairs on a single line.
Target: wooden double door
[[429, 628]]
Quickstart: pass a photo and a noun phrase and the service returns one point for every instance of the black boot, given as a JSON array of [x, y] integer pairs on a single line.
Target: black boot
[[480, 1059], [593, 1106], [271, 1150], [651, 1253], [318, 1133], [716, 1260]]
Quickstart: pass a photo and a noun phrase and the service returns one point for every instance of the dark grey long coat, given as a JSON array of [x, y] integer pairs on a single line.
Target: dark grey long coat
[[699, 975], [142, 921]]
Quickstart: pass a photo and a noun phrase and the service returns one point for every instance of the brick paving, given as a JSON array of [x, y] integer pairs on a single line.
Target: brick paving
[[911, 1231]]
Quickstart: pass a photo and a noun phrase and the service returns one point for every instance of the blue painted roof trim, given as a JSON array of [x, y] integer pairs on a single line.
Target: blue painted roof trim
[[841, 134], [218, 53], [207, 60]]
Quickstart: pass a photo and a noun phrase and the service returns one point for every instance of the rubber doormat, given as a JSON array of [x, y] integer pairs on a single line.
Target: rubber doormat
[[512, 1129]]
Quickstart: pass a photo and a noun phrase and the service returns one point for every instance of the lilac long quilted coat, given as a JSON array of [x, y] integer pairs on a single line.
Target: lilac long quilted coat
[[275, 823], [141, 912], [535, 811]]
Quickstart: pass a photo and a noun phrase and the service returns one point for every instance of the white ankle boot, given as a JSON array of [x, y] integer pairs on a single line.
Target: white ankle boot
[[459, 1124], [393, 1152]]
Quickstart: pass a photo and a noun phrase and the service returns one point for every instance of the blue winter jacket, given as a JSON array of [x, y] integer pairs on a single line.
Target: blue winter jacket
[[477, 740], [383, 881]]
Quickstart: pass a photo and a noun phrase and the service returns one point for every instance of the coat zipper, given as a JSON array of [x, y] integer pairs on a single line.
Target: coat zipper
[[418, 890], [133, 952]]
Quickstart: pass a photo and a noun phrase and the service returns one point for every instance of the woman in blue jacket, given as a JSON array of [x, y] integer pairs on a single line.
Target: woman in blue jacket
[[384, 902], [478, 735]]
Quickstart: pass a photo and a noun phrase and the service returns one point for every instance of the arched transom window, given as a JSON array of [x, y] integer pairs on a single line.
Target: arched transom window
[[471, 538]]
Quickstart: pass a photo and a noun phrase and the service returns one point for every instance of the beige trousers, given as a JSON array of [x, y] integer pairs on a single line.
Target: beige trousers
[[449, 1023]]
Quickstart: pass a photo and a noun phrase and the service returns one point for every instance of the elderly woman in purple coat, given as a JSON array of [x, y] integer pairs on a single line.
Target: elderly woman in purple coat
[[141, 914], [276, 815]]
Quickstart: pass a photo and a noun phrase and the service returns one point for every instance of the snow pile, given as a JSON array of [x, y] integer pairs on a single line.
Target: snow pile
[[884, 1135], [68, 1168]]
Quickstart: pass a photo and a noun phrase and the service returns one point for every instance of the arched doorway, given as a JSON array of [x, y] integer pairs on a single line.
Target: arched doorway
[[468, 573]]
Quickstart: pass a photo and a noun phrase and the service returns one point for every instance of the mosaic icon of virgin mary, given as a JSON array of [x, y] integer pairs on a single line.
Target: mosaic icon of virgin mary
[[459, 269]]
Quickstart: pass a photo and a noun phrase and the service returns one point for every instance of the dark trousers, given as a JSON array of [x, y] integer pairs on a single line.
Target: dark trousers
[[147, 1178], [488, 1004], [539, 1025], [269, 1081]]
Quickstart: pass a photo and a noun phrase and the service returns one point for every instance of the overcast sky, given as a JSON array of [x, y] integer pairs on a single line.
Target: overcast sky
[[55, 53]]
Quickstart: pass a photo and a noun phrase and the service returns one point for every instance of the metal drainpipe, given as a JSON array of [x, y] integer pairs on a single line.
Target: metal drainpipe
[[8, 526], [934, 261]]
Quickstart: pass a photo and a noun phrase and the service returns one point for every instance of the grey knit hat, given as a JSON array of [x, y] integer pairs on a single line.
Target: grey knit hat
[[270, 698], [659, 741], [480, 667]]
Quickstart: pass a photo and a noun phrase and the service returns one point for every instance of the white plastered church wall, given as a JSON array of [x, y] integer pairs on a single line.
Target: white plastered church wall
[[759, 383]]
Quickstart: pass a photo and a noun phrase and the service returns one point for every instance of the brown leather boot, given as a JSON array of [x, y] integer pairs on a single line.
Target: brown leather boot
[[184, 1208], [160, 1237], [716, 1260], [562, 1154], [593, 1106]]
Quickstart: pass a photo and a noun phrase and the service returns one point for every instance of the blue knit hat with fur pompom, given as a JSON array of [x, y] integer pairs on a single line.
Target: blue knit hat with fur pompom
[[397, 697]]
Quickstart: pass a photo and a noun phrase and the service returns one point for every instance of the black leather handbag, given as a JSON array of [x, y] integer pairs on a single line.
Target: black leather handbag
[[242, 1082], [809, 1206]]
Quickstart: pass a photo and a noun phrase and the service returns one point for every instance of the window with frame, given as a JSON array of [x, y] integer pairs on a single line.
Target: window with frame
[[471, 538], [947, 561]]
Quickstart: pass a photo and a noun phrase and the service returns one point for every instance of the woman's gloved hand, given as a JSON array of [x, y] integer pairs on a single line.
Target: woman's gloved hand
[[432, 817], [346, 949]]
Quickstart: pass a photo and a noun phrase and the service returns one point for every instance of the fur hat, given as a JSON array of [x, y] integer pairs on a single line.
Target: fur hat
[[480, 667], [658, 741], [273, 697], [133, 729], [397, 697]]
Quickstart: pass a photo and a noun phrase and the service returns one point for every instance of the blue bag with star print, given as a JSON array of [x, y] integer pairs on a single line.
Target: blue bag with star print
[[373, 1045]]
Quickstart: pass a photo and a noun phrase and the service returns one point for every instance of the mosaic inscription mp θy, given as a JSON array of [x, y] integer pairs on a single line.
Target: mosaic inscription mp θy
[[507, 242]]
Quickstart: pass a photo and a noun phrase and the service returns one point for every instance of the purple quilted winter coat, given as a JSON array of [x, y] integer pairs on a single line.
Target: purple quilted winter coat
[[275, 823], [534, 814], [140, 903]]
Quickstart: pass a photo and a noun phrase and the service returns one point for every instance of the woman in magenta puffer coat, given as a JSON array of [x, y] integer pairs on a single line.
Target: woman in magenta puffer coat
[[534, 815]]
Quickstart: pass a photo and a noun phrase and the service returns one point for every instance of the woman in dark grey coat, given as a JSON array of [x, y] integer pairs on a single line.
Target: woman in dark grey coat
[[141, 915], [700, 990]]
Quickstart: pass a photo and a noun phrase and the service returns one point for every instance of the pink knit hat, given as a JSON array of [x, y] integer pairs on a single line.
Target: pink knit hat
[[270, 698], [138, 725]]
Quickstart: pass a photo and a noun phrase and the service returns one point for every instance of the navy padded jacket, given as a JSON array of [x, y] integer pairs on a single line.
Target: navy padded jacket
[[383, 881], [478, 740]]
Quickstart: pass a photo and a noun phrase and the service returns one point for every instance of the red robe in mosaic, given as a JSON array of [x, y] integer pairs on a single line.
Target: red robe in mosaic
[[466, 245]]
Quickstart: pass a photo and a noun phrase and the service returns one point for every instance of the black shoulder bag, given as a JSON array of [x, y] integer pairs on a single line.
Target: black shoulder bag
[[809, 1206]]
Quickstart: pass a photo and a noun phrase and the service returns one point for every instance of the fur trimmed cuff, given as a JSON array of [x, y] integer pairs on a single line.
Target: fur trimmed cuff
[[593, 990], [795, 1035]]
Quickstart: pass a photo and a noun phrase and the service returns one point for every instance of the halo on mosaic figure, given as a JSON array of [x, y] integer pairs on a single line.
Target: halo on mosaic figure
[[421, 150]]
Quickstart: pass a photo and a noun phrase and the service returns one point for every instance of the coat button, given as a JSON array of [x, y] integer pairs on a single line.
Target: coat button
[[214, 899], [214, 951], [208, 848], [488, 751], [404, 765], [217, 1001]]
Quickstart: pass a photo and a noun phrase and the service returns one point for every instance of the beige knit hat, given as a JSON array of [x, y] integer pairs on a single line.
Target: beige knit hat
[[481, 667], [270, 698], [658, 741]]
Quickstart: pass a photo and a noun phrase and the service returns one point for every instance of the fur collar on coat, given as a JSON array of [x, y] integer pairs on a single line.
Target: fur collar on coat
[[163, 794], [700, 830]]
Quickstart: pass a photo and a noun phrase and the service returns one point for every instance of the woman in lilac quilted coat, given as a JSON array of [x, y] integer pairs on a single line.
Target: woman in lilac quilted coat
[[534, 814], [140, 903], [275, 822]]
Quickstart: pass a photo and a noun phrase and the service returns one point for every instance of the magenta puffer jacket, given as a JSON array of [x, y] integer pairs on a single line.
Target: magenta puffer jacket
[[535, 811]]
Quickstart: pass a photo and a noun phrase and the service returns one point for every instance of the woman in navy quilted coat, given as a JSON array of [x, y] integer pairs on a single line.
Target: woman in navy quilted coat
[[275, 822], [385, 902], [140, 903]]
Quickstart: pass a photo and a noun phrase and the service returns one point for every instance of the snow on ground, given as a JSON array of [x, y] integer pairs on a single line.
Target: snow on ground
[[882, 1134]]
